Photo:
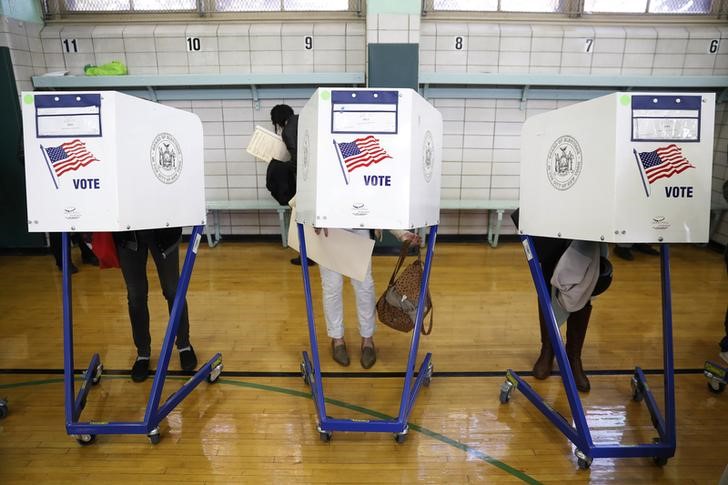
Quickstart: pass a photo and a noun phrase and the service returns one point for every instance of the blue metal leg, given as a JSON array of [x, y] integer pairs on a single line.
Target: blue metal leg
[[316, 386], [88, 379], [580, 434], [311, 368], [404, 403], [68, 368], [154, 414], [151, 415]]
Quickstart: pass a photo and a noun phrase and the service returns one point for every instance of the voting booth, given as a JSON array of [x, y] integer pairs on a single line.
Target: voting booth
[[369, 158], [623, 168], [104, 162]]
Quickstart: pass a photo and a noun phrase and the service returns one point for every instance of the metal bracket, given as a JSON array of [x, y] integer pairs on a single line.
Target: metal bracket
[[256, 99]]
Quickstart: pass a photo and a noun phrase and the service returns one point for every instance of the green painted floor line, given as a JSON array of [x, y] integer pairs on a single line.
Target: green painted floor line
[[292, 392]]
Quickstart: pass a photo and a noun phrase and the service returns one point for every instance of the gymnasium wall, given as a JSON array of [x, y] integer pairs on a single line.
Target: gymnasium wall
[[482, 136]]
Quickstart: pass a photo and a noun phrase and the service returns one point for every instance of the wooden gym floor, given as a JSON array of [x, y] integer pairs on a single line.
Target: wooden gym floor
[[257, 424]]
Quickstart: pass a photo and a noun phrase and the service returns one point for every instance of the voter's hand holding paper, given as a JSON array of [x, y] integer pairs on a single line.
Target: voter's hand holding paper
[[339, 250], [266, 145]]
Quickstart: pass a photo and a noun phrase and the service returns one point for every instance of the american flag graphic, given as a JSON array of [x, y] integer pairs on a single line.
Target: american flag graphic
[[69, 156], [362, 152], [664, 162]]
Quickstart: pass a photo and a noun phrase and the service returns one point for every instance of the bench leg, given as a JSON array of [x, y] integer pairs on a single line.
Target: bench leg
[[284, 227], [493, 235], [213, 239]]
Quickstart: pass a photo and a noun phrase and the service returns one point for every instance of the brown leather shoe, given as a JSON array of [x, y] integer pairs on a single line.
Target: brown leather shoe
[[368, 356], [340, 354]]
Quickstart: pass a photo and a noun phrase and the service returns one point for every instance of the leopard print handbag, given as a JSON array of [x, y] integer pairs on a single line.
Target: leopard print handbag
[[397, 307]]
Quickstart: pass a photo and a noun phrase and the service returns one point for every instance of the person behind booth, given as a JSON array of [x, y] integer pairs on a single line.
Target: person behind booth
[[280, 177], [133, 248], [332, 284], [87, 255], [550, 252]]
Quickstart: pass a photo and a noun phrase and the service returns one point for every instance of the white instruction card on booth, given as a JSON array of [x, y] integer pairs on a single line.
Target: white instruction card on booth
[[342, 251], [266, 145]]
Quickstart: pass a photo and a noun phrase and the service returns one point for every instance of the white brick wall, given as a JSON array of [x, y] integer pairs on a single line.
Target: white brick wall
[[482, 136]]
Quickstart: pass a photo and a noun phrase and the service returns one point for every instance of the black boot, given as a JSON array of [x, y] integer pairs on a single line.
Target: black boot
[[545, 362], [576, 327]]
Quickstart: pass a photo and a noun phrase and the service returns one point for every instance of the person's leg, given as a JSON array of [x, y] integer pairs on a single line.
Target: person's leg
[[545, 362], [624, 251], [576, 326], [365, 308], [168, 272], [87, 256], [55, 245], [134, 269], [332, 285]]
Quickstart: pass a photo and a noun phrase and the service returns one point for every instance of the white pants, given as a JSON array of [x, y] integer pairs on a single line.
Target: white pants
[[332, 284]]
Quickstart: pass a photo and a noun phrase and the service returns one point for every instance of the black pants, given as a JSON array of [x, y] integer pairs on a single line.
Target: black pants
[[56, 243], [134, 268]]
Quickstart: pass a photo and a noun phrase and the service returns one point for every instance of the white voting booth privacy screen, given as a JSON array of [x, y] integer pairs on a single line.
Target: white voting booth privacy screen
[[105, 161], [627, 167], [369, 158]]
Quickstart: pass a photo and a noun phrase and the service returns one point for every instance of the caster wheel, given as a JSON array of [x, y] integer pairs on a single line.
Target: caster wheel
[[637, 393], [583, 461], [304, 374], [86, 439], [505, 392], [214, 374], [3, 409], [660, 460], [427, 380], [155, 436], [97, 374], [400, 437], [325, 436], [716, 387]]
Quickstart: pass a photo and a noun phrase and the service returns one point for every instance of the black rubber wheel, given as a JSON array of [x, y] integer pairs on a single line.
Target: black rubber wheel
[[3, 410], [325, 436], [583, 464], [660, 460], [86, 439], [505, 396], [304, 374], [400, 437], [155, 438], [716, 389], [637, 395]]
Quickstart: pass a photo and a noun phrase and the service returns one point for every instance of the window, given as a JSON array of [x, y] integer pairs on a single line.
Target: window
[[278, 5], [192, 5], [493, 5], [648, 6], [129, 5]]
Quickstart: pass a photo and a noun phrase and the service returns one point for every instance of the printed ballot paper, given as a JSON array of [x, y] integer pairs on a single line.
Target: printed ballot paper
[[342, 251], [266, 145]]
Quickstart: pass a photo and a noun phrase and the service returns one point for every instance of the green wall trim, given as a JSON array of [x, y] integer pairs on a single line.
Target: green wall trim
[[411, 7]]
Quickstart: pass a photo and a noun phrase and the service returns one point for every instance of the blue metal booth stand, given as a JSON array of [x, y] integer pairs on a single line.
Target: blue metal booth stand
[[663, 447], [311, 367], [85, 432]]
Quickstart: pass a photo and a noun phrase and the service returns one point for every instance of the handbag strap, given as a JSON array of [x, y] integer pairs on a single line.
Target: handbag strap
[[431, 312], [402, 254]]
